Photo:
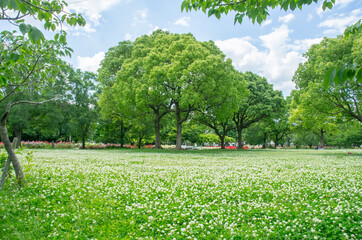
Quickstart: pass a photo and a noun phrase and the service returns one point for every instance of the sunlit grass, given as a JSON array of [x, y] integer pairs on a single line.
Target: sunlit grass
[[164, 194]]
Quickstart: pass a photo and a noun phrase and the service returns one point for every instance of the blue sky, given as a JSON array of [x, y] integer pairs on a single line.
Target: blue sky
[[273, 49]]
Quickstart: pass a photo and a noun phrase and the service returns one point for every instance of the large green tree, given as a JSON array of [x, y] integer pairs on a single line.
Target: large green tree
[[332, 52], [255, 10], [310, 112], [170, 73], [262, 101], [218, 111], [115, 114]]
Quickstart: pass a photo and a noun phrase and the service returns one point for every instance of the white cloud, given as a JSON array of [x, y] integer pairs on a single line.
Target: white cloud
[[266, 23], [337, 25], [305, 44], [92, 8], [286, 18], [310, 17], [184, 21], [141, 17], [128, 36], [343, 3], [90, 64], [277, 60]]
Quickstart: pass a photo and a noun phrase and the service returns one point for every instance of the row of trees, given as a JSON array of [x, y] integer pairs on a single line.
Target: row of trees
[[171, 88], [176, 76]]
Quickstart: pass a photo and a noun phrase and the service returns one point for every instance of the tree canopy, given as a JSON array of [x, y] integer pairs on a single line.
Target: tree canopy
[[172, 73], [344, 96]]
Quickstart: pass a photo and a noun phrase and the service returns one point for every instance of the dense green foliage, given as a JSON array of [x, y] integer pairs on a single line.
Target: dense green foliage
[[50, 13], [211, 194]]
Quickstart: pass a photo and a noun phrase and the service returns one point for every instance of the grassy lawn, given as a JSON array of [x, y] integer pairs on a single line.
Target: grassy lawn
[[209, 194]]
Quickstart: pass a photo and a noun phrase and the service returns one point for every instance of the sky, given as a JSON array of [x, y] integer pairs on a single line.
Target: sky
[[273, 49]]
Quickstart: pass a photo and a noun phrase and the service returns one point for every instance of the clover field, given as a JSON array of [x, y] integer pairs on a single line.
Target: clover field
[[208, 194]]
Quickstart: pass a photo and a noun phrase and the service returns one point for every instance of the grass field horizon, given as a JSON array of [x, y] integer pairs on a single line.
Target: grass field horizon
[[194, 194]]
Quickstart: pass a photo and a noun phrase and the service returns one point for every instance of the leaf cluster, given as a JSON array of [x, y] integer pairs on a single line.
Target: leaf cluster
[[51, 13], [255, 10]]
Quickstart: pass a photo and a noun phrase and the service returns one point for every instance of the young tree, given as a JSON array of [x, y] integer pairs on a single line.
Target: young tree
[[28, 62], [37, 64], [83, 100]]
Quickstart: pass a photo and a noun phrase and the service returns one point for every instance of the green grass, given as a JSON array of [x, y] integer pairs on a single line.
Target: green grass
[[164, 194]]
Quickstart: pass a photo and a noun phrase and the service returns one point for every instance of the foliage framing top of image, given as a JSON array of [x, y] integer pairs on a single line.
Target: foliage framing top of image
[[254, 10], [51, 13]]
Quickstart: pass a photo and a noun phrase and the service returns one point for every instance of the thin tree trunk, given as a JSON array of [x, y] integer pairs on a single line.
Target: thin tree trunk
[[276, 141], [179, 136], [18, 133], [8, 146], [179, 128], [322, 138], [7, 166], [122, 134], [83, 140], [240, 137], [157, 133], [222, 140], [140, 137], [264, 140]]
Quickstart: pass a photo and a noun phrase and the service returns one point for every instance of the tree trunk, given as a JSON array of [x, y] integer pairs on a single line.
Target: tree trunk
[[83, 140], [9, 149], [222, 140], [322, 138], [179, 128], [276, 141], [264, 140], [7, 166], [122, 134], [157, 133], [240, 137], [18, 133], [140, 137]]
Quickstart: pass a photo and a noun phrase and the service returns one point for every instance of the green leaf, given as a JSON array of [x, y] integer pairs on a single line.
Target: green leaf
[[292, 5], [24, 28], [56, 37], [324, 5], [329, 5], [4, 3], [332, 75], [13, 4], [341, 77], [217, 14], [327, 79], [14, 57], [62, 39], [35, 35], [3, 80], [359, 75]]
